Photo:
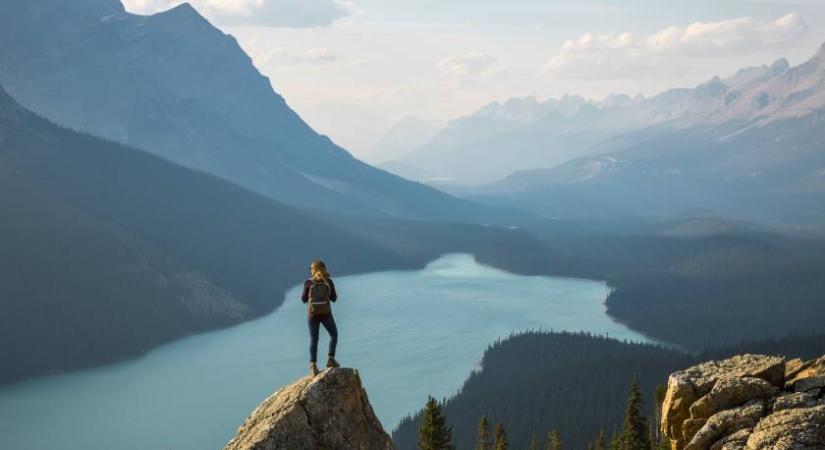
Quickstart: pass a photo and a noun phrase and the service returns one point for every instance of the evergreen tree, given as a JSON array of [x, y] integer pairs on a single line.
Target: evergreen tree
[[656, 433], [634, 431], [615, 442], [501, 442], [600, 441], [534, 443], [483, 439], [554, 441], [434, 434]]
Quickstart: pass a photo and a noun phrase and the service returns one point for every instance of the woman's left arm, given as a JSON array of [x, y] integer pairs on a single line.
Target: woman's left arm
[[332, 294]]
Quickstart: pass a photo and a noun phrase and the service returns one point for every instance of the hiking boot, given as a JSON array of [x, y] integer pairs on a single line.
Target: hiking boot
[[313, 369], [332, 363]]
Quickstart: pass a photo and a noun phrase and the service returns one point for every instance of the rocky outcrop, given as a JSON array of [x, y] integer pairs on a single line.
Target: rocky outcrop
[[748, 402], [326, 412]]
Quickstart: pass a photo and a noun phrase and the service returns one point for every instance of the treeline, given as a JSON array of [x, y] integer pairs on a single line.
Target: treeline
[[733, 291], [536, 382], [543, 386], [734, 283], [636, 433]]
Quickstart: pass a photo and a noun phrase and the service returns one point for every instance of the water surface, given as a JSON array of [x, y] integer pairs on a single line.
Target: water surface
[[409, 333]]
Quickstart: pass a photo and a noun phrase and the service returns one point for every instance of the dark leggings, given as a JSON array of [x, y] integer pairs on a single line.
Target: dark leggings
[[329, 325]]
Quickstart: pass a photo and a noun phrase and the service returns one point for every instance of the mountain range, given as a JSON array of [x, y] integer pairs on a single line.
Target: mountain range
[[519, 148], [750, 146], [176, 86]]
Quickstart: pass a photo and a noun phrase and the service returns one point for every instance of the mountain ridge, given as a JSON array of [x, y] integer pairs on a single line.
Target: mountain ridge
[[110, 251], [174, 85], [753, 96]]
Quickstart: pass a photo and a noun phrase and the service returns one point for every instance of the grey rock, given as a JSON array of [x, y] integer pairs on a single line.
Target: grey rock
[[737, 404], [688, 386], [732, 392], [790, 429], [735, 441], [725, 423], [796, 400], [326, 412], [807, 384]]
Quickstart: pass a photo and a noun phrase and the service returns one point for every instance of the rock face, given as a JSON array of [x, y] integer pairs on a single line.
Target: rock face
[[326, 412], [748, 402]]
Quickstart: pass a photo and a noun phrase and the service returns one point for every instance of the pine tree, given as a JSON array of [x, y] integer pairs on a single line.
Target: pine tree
[[501, 442], [615, 442], [634, 431], [434, 434], [483, 439], [656, 433], [534, 443], [554, 441], [600, 441]]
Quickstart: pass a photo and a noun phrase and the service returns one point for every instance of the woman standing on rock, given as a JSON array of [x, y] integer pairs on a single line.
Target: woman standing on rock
[[319, 292]]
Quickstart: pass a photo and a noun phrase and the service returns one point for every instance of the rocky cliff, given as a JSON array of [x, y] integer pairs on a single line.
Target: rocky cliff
[[747, 402], [326, 412]]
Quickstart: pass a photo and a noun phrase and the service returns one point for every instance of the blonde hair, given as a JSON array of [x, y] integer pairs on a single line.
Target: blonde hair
[[319, 270]]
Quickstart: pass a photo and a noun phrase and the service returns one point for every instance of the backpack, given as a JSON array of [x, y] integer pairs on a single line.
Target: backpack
[[318, 303]]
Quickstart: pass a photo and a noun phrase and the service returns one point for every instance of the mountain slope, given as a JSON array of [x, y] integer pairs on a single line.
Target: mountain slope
[[501, 138], [174, 85], [750, 145], [528, 134], [108, 251]]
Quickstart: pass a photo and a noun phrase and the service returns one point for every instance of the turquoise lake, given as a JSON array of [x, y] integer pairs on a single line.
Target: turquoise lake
[[423, 335]]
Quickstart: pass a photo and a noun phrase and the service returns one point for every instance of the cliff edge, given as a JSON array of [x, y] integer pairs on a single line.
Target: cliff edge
[[747, 402], [326, 412]]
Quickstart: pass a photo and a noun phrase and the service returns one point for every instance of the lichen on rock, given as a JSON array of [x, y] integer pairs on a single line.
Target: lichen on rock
[[748, 402]]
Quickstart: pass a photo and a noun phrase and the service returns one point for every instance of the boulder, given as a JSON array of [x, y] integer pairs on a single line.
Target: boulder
[[326, 412], [687, 386], [796, 400], [731, 392], [790, 429], [748, 402], [725, 423], [733, 441]]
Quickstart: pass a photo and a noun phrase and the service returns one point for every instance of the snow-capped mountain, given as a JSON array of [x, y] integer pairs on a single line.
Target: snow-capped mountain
[[752, 144], [526, 133]]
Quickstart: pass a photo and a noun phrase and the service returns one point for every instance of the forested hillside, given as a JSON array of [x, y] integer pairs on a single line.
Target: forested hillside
[[538, 381], [735, 282], [576, 384]]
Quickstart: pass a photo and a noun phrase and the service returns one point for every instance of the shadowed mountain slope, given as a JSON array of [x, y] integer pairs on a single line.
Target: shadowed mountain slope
[[109, 250], [174, 85]]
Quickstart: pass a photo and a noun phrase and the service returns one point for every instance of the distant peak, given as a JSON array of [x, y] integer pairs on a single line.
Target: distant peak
[[183, 8], [820, 54], [183, 13], [780, 64]]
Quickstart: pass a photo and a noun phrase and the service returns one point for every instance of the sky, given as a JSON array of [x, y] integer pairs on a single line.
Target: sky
[[354, 68]]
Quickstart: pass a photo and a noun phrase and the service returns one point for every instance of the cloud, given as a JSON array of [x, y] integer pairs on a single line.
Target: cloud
[[470, 67], [615, 56], [268, 13], [319, 55]]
